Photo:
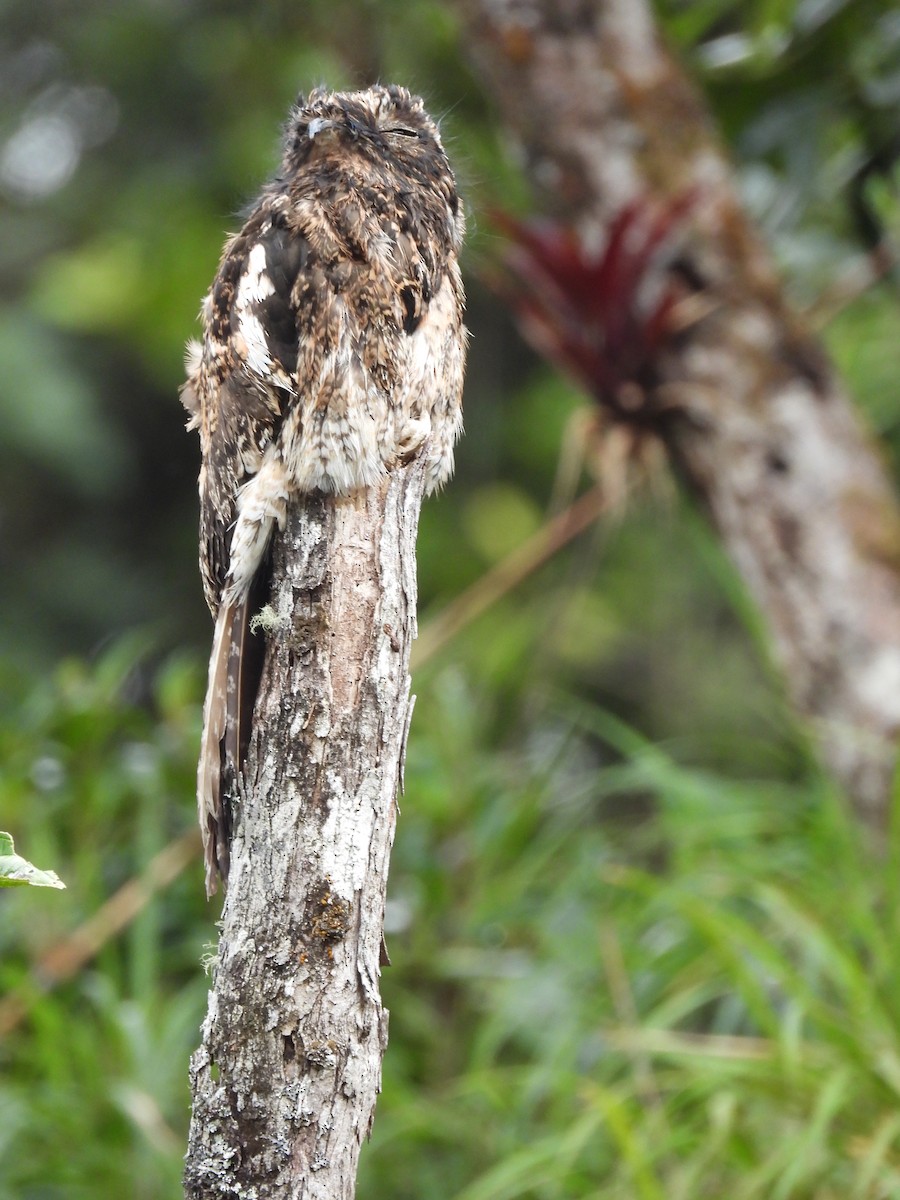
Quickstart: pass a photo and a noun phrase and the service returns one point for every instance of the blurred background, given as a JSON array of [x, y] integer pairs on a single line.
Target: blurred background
[[638, 947]]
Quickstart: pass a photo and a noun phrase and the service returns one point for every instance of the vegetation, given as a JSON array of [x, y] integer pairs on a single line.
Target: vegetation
[[639, 949]]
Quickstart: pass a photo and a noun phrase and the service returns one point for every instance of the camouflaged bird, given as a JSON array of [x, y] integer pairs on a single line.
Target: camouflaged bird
[[333, 349]]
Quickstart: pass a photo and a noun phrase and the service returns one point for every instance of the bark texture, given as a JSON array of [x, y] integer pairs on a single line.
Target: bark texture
[[755, 419], [285, 1081]]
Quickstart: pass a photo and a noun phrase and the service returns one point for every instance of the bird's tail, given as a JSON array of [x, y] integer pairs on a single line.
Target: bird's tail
[[212, 805], [235, 665]]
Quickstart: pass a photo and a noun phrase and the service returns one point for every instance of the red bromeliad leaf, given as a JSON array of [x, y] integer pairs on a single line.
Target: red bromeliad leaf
[[602, 316]]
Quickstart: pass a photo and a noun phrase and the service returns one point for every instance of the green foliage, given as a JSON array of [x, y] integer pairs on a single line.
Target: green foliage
[[16, 871], [704, 1005], [614, 975], [96, 765]]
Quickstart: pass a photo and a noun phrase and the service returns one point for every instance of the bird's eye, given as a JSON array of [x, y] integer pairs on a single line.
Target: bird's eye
[[403, 132]]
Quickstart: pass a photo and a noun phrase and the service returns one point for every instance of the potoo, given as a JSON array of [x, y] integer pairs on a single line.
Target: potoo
[[333, 350]]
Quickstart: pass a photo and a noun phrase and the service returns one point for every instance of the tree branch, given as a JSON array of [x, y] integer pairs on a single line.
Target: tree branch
[[756, 421], [284, 1083]]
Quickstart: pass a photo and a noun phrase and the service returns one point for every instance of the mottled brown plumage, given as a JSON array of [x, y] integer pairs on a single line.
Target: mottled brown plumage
[[333, 349]]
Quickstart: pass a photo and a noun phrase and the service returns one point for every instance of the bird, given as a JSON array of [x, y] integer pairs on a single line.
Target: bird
[[333, 348]]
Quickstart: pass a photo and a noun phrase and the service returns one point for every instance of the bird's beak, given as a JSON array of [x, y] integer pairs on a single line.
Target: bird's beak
[[319, 125]]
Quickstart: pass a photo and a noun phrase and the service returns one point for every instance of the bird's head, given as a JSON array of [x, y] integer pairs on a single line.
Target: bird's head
[[383, 134]]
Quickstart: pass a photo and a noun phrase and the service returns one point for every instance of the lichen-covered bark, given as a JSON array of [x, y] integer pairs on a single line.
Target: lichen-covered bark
[[755, 419], [285, 1081]]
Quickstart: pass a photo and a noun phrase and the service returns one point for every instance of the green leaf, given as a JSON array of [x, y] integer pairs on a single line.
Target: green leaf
[[16, 871]]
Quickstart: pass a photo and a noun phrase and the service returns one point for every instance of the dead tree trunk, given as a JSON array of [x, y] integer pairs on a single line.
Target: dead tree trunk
[[285, 1081], [767, 438]]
